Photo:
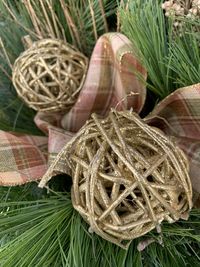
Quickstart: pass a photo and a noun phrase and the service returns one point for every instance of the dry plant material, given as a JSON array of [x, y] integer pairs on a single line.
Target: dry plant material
[[178, 9], [128, 177], [49, 75]]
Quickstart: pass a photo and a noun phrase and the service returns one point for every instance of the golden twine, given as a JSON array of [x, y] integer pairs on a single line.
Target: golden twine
[[127, 177], [49, 75]]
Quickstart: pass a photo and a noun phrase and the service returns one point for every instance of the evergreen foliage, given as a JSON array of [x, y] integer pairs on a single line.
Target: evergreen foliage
[[172, 60]]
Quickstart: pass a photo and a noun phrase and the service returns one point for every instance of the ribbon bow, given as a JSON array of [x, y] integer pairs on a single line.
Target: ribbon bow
[[111, 82]]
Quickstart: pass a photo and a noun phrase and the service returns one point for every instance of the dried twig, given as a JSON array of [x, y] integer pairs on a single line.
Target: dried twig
[[72, 27], [103, 15], [93, 20]]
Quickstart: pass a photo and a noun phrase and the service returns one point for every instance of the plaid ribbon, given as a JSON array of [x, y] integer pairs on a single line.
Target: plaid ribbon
[[111, 82]]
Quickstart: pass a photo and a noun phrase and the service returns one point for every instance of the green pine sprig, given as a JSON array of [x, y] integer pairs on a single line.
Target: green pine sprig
[[172, 61], [185, 55], [49, 232]]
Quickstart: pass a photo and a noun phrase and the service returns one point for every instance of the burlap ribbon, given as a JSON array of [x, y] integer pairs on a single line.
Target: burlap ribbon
[[111, 82]]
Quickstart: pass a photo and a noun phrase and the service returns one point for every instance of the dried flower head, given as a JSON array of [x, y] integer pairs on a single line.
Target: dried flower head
[[177, 9]]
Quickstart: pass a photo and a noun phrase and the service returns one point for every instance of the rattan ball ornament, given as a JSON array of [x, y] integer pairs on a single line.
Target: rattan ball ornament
[[49, 75], [128, 177]]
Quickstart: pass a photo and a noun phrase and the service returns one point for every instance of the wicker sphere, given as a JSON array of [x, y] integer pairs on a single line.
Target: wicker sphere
[[49, 75], [128, 177]]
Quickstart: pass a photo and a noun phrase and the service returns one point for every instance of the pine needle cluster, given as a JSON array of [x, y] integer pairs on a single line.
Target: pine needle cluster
[[172, 61]]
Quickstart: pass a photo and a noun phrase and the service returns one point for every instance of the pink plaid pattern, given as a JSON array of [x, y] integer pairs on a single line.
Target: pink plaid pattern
[[178, 115], [22, 158], [111, 82]]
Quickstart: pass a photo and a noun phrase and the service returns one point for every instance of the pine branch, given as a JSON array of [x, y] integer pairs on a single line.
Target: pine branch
[[144, 24], [48, 232], [172, 61], [185, 55]]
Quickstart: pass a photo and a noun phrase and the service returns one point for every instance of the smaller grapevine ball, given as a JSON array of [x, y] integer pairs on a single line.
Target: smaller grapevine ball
[[49, 75]]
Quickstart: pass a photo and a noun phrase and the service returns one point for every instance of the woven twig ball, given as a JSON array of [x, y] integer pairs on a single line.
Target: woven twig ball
[[128, 177], [49, 75]]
